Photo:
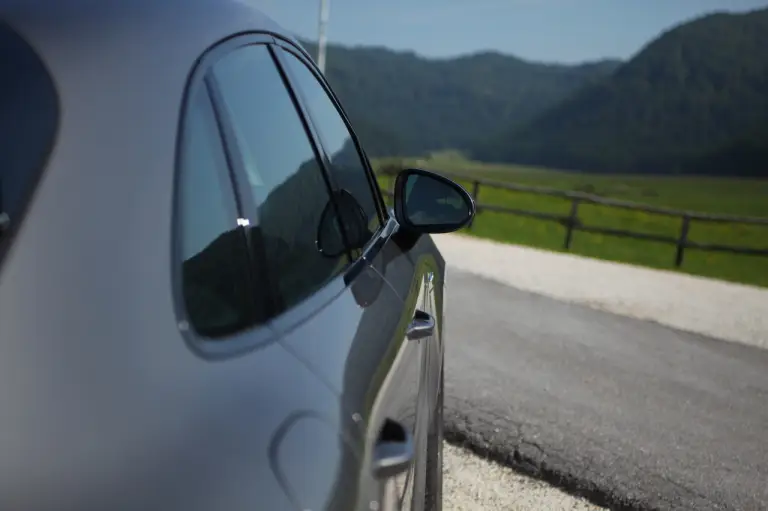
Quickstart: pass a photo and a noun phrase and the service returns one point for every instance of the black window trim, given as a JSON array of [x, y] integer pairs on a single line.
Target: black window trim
[[314, 140], [310, 128], [303, 56], [257, 335], [387, 223]]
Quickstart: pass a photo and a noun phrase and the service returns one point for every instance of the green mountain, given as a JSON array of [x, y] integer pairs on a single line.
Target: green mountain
[[405, 104], [695, 100]]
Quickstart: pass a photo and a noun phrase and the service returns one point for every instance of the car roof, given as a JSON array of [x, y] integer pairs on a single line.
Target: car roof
[[86, 25]]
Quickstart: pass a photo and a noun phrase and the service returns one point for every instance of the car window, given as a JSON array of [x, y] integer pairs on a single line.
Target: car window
[[29, 115], [285, 179], [213, 248], [346, 164]]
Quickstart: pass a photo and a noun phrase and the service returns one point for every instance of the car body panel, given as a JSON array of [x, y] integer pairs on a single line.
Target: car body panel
[[408, 269], [364, 355], [105, 406]]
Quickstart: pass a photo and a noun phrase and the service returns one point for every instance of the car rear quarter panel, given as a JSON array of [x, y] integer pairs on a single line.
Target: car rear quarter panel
[[103, 404]]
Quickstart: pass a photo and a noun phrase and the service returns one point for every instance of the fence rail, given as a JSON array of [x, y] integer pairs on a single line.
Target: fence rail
[[572, 222]]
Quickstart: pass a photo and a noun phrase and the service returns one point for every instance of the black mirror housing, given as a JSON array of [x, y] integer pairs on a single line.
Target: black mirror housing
[[426, 202]]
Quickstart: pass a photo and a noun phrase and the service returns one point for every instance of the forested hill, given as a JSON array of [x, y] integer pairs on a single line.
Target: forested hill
[[695, 100], [404, 104]]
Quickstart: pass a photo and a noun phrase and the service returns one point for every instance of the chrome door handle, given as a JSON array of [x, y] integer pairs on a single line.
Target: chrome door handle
[[423, 325], [394, 451]]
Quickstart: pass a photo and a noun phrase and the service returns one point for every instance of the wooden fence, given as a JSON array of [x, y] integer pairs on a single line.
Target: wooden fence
[[572, 223]]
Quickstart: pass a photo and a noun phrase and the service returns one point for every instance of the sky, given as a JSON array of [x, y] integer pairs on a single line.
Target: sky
[[567, 31]]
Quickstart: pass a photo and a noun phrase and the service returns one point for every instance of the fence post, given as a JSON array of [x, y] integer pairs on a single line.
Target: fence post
[[682, 241], [573, 220], [475, 193]]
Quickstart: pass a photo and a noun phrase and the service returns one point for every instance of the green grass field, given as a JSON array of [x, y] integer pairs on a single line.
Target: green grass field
[[709, 195]]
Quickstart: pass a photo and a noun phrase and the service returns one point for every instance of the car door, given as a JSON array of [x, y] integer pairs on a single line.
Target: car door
[[392, 342], [267, 434], [330, 310]]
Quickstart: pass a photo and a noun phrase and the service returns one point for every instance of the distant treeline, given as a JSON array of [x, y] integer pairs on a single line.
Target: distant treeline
[[694, 100]]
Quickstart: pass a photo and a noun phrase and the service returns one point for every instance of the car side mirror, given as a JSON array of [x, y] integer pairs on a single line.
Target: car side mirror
[[426, 202]]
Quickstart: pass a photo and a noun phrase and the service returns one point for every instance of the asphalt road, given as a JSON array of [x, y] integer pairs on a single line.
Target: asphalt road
[[630, 413]]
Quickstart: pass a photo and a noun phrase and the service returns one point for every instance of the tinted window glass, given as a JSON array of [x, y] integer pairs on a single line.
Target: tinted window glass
[[284, 177], [213, 248], [29, 112], [349, 172]]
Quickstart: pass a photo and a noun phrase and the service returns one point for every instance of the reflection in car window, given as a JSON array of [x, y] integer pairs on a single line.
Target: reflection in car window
[[291, 192], [213, 248], [430, 201], [347, 167], [29, 114]]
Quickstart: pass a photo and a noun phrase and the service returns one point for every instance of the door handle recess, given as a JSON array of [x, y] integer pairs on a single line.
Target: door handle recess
[[423, 325], [393, 453]]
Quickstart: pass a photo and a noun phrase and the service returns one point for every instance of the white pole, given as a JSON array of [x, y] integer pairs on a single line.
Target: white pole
[[321, 39]]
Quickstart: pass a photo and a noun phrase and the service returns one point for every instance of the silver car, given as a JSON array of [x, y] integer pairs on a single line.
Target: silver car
[[205, 303]]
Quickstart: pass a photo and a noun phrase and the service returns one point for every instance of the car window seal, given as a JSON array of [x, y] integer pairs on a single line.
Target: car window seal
[[5, 219]]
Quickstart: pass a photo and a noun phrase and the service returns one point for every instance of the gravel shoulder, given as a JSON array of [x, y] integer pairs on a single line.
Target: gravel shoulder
[[723, 310], [472, 483]]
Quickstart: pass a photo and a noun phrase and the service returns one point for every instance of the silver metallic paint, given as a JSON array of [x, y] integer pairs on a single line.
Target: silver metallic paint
[[104, 406]]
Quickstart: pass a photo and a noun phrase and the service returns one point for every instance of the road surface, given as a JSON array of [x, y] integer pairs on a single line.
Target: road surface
[[628, 412]]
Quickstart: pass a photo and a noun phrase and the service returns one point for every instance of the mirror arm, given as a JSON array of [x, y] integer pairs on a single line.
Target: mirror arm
[[406, 239]]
